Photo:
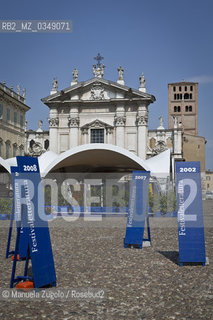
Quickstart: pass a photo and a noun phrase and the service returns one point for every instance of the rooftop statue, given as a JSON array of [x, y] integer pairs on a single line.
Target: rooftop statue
[[121, 73], [75, 75], [142, 81], [55, 84]]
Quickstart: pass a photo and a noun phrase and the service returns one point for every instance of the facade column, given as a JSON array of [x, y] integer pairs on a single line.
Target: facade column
[[53, 127], [120, 120], [142, 131], [109, 135], [85, 135], [73, 123]]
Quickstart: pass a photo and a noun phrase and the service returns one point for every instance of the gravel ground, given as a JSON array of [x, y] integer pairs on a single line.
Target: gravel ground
[[139, 284]]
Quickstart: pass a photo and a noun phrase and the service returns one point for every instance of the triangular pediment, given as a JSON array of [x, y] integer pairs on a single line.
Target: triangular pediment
[[97, 124], [97, 89]]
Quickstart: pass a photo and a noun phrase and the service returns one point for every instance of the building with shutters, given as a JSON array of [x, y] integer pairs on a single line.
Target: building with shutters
[[12, 121]]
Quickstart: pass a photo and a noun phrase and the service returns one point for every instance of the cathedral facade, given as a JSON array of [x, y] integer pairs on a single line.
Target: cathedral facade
[[99, 111], [106, 112]]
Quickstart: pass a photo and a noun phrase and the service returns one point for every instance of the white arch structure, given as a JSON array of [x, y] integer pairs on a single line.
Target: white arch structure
[[97, 155], [6, 164], [103, 155]]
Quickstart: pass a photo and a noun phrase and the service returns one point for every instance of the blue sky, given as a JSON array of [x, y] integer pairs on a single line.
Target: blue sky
[[167, 40]]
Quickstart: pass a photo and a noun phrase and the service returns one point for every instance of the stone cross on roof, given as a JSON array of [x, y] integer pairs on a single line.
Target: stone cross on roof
[[99, 58], [98, 70]]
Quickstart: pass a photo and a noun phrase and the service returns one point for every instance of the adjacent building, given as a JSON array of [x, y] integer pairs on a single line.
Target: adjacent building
[[12, 121], [209, 180], [37, 142]]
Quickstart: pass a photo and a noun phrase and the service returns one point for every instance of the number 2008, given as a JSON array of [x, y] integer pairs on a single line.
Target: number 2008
[[188, 169], [30, 168]]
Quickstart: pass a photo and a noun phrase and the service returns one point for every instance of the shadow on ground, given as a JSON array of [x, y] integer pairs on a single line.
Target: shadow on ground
[[171, 255]]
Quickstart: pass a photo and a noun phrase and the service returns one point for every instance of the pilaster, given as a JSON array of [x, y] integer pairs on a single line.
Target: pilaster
[[53, 128]]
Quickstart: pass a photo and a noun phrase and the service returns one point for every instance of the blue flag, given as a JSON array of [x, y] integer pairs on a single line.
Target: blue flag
[[190, 213]]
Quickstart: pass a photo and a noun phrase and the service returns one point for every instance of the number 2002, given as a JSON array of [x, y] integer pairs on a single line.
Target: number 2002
[[30, 168], [188, 169]]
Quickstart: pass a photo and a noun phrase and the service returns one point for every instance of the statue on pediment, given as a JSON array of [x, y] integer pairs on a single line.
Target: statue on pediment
[[55, 84], [75, 75], [175, 121], [98, 71], [24, 93], [18, 89], [142, 81], [121, 73]]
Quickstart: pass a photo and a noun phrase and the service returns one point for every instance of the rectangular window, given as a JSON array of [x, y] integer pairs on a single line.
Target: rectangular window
[[7, 150], [8, 114], [185, 88], [97, 136], [14, 150], [191, 88], [174, 89], [21, 120], [1, 110], [15, 118], [208, 178], [179, 88]]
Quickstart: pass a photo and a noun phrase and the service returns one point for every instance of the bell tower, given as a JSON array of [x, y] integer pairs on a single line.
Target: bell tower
[[183, 104]]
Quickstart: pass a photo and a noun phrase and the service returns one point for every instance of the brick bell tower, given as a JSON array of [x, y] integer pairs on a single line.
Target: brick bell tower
[[183, 104]]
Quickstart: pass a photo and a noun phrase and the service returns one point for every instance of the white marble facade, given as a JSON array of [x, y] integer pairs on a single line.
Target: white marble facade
[[100, 110], [117, 113]]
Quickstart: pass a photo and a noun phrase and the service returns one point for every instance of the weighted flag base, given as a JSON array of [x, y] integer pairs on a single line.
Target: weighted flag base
[[25, 285], [18, 258]]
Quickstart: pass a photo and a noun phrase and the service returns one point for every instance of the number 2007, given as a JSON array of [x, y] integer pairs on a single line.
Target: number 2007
[[140, 177], [188, 169]]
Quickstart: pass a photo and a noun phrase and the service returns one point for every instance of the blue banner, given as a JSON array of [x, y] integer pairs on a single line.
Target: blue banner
[[190, 213], [29, 196], [138, 208], [19, 214]]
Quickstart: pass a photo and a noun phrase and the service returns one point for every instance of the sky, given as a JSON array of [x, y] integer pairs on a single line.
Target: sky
[[166, 40]]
